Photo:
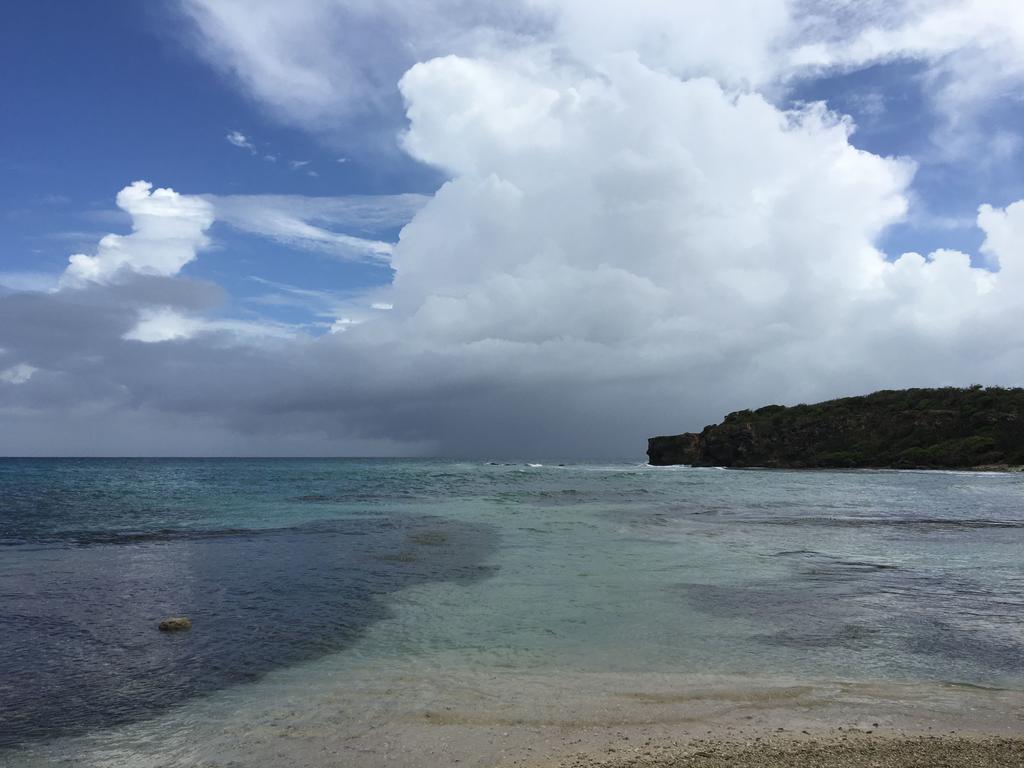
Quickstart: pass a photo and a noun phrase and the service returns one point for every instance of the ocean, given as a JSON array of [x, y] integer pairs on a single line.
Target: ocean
[[310, 582]]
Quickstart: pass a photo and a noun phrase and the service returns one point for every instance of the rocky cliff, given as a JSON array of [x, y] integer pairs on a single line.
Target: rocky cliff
[[911, 428]]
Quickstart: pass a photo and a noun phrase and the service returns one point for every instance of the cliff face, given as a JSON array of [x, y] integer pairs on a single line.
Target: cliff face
[[912, 428]]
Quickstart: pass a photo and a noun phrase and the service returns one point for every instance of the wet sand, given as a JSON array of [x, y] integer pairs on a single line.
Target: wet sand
[[416, 717], [641, 721]]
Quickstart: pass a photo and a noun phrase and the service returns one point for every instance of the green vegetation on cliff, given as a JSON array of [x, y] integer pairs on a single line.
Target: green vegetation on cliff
[[910, 428]]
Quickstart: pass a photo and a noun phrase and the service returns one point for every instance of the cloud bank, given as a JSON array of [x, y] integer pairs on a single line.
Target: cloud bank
[[634, 238]]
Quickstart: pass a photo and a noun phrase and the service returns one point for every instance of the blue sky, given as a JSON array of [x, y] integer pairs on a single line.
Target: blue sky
[[600, 201], [110, 92], [889, 104]]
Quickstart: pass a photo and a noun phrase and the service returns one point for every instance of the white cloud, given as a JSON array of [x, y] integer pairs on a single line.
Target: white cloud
[[923, 30], [678, 183], [324, 62], [319, 63], [342, 324], [1004, 241], [17, 374], [321, 60], [167, 230], [240, 140], [166, 324], [157, 325], [628, 233], [735, 42], [973, 52], [297, 164], [313, 222]]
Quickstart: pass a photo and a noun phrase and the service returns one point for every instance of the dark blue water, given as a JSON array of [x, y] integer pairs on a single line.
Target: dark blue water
[[93, 554]]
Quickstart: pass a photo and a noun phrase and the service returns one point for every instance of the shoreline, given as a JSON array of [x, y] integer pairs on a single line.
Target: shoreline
[[982, 469], [414, 716]]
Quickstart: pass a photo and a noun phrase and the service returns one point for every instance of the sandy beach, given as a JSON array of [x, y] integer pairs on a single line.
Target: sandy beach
[[415, 718], [662, 721], [854, 751], [665, 721]]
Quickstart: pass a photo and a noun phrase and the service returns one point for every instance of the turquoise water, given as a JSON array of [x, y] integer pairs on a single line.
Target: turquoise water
[[902, 576]]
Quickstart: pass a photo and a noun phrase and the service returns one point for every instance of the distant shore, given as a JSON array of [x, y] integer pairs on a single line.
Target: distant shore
[[989, 468], [946, 428]]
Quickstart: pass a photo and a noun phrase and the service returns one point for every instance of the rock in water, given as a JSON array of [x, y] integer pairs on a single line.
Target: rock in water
[[175, 624]]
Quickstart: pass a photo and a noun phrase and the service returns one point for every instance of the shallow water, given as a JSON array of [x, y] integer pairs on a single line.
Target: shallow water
[[420, 567]]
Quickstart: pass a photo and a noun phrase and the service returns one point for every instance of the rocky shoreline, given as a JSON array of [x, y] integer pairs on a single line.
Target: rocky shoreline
[[974, 429]]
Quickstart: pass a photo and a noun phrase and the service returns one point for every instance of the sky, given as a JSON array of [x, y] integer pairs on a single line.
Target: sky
[[534, 229]]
